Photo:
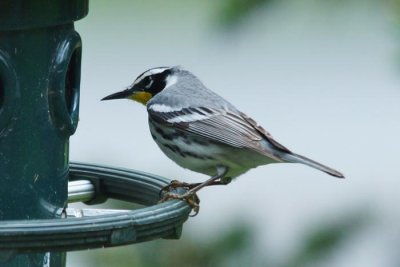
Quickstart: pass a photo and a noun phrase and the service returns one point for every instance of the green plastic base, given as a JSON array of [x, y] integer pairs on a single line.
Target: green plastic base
[[155, 221]]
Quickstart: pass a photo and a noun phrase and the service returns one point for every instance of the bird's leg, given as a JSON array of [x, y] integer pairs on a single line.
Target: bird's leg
[[178, 184], [221, 172], [190, 196], [218, 179]]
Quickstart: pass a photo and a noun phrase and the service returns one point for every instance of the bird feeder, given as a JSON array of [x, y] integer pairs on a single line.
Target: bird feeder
[[40, 61]]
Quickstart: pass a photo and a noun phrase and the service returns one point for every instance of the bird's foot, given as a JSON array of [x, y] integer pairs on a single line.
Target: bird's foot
[[190, 197], [175, 184], [191, 189]]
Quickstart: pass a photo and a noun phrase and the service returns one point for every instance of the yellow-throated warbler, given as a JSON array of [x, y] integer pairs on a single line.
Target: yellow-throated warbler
[[203, 132]]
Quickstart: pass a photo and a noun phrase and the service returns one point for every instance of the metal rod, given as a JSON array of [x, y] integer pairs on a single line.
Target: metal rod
[[79, 213], [80, 191]]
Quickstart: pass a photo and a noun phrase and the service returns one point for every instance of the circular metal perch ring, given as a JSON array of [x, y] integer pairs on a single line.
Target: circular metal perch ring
[[109, 228]]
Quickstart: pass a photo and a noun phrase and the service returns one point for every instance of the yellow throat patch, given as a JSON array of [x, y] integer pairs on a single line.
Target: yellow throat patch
[[141, 97]]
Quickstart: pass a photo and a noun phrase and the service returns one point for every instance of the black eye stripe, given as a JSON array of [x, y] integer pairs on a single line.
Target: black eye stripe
[[147, 82], [153, 83]]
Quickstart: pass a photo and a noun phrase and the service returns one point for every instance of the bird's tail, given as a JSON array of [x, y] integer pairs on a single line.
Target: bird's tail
[[295, 158]]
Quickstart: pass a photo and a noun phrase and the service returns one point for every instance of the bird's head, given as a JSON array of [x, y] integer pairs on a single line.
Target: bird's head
[[147, 85]]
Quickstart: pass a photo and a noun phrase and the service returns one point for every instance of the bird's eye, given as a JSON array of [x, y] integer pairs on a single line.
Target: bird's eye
[[147, 82]]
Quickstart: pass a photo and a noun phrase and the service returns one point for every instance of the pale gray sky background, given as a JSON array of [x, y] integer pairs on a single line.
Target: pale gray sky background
[[323, 80]]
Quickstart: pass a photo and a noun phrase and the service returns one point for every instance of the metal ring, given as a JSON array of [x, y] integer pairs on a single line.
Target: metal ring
[[117, 228]]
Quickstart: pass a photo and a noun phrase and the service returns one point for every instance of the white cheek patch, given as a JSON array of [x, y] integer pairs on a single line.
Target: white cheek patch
[[163, 108], [171, 80]]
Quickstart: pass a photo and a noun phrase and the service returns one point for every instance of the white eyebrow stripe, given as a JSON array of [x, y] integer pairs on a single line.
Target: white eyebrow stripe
[[148, 73]]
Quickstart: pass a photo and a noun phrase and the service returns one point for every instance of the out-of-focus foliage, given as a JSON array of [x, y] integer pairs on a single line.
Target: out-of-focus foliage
[[233, 12], [322, 241], [396, 7], [234, 247]]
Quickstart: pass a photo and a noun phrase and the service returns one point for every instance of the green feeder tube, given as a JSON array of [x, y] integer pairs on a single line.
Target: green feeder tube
[[40, 58]]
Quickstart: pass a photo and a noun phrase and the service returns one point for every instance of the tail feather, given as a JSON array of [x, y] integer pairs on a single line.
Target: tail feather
[[295, 158]]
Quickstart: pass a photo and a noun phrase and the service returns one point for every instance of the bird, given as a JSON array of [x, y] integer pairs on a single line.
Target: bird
[[201, 131]]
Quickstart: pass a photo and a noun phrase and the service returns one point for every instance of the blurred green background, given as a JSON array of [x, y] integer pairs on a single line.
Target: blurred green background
[[322, 76]]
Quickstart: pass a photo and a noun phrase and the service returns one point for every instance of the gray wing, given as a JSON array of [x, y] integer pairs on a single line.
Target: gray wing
[[219, 125]]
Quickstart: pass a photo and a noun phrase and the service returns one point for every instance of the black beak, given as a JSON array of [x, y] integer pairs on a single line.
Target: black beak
[[119, 95]]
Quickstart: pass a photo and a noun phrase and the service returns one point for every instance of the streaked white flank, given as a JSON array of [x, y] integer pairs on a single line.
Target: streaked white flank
[[164, 108]]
